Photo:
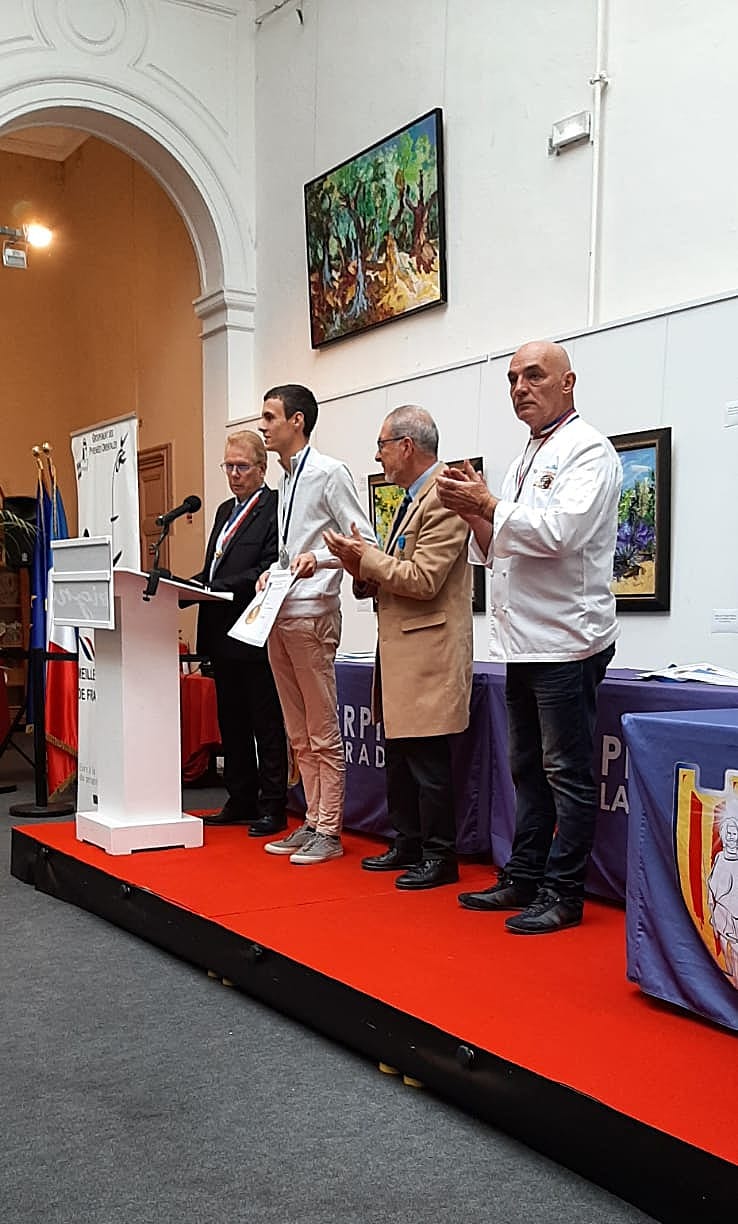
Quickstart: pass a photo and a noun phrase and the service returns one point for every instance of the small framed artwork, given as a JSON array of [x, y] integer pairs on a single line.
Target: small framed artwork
[[375, 233], [642, 567], [384, 500]]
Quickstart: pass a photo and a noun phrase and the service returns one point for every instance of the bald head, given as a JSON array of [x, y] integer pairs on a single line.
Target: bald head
[[541, 383], [554, 355]]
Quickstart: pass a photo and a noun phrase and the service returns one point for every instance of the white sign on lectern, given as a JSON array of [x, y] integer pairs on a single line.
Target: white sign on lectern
[[81, 583], [137, 708]]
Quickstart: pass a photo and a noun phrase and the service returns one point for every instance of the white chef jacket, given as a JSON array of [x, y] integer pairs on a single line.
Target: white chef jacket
[[551, 552]]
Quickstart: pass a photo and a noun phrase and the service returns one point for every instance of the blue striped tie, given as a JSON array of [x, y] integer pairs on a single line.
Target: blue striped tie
[[234, 514]]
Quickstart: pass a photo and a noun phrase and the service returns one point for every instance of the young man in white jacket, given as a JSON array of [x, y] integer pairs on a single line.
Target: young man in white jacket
[[549, 539], [316, 494]]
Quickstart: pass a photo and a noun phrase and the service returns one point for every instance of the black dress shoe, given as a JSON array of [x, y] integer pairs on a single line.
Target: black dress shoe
[[429, 874], [549, 912], [229, 815], [267, 825], [506, 894], [393, 859]]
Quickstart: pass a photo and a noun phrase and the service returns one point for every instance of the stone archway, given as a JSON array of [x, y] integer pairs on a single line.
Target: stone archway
[[226, 314], [131, 75]]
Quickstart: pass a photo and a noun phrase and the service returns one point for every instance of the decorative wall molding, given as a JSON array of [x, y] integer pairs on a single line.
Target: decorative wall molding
[[226, 309], [94, 27], [193, 54], [20, 31], [98, 28], [165, 80], [209, 6]]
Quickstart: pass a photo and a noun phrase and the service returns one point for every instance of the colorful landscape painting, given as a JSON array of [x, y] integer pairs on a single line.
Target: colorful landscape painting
[[384, 501], [635, 550], [641, 563], [375, 233]]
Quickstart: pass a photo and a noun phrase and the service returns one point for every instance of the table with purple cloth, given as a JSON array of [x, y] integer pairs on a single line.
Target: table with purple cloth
[[366, 796], [621, 693], [483, 786], [682, 904]]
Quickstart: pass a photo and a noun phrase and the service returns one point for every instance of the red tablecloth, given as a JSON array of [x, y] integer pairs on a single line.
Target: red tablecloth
[[200, 732]]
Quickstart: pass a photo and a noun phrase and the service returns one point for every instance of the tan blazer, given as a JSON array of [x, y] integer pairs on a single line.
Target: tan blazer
[[424, 647]]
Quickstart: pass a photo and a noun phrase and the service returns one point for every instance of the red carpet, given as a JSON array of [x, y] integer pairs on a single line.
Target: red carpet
[[558, 1005]]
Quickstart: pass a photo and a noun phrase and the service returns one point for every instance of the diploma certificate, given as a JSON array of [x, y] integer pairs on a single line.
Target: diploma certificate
[[255, 622]]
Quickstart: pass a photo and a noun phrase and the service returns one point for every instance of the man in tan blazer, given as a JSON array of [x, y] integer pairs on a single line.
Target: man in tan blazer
[[423, 672]]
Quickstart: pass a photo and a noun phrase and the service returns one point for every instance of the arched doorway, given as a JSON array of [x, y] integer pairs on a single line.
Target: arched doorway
[[225, 305]]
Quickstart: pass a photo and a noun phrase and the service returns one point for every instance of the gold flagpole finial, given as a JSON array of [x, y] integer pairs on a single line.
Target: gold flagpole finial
[[50, 482], [38, 452]]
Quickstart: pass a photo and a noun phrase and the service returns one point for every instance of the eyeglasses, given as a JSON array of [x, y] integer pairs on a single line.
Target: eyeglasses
[[238, 469], [382, 442]]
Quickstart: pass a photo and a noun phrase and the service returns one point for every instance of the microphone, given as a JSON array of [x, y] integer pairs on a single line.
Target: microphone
[[189, 506]]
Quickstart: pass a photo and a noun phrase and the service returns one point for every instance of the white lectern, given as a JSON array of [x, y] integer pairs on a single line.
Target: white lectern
[[137, 708]]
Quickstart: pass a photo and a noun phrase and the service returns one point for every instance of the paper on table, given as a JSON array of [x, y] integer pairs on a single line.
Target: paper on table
[[255, 622], [705, 672]]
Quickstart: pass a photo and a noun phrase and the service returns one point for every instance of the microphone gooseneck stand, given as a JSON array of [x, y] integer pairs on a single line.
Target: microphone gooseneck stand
[[189, 506], [155, 573]]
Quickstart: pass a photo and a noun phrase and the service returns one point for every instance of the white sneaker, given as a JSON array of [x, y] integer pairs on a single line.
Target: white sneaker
[[294, 840], [319, 849]]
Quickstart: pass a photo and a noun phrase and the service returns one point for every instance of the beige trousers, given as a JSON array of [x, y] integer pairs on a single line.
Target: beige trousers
[[302, 654]]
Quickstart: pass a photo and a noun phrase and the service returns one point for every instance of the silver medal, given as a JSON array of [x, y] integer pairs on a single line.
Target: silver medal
[[284, 558]]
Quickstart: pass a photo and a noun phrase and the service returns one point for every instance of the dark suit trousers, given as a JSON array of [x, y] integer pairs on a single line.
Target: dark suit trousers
[[253, 737], [420, 796]]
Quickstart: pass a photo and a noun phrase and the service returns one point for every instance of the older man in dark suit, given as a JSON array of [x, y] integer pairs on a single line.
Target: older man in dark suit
[[242, 544]]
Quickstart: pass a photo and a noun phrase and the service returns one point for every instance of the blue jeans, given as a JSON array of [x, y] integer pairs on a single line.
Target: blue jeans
[[551, 711]]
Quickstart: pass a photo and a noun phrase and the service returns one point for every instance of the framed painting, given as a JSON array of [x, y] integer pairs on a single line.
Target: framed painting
[[375, 233], [642, 567], [384, 500]]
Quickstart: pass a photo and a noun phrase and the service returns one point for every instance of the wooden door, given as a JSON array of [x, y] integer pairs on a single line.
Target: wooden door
[[154, 497]]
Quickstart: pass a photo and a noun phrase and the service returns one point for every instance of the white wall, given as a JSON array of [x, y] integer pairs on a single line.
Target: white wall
[[669, 221], [518, 221], [674, 370], [519, 235], [355, 72]]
